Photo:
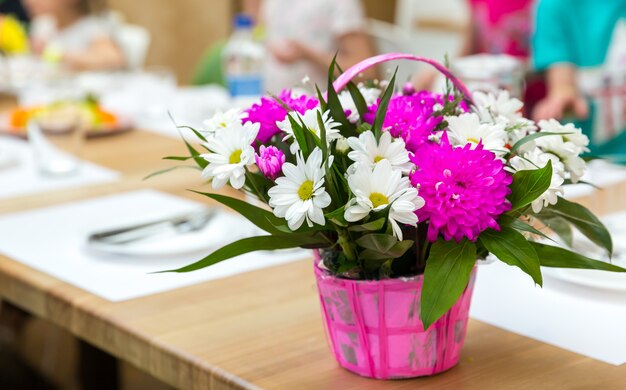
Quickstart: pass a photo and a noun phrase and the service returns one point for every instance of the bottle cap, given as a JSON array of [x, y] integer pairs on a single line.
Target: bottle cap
[[242, 21]]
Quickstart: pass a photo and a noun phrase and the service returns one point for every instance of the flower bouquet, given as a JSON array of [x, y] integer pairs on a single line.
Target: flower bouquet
[[399, 194]]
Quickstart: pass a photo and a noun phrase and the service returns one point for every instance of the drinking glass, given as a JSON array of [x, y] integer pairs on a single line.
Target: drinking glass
[[57, 139]]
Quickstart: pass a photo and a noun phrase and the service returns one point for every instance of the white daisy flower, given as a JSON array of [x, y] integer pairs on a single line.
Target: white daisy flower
[[466, 128], [230, 152], [567, 146], [223, 120], [368, 152], [538, 159], [376, 189], [309, 118], [369, 94], [300, 195]]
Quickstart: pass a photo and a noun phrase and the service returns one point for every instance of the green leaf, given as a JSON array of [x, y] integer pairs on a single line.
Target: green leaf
[[202, 163], [324, 143], [177, 158], [584, 220], [363, 127], [258, 184], [336, 216], [261, 218], [320, 97], [513, 249], [377, 242], [247, 245], [447, 274], [381, 111], [528, 185], [401, 247], [166, 170], [358, 99], [196, 132], [397, 250], [556, 257], [520, 226], [531, 137], [369, 227], [334, 105], [299, 135], [558, 225]]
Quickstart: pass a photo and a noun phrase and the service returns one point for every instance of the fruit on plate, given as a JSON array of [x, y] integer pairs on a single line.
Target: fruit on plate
[[59, 115]]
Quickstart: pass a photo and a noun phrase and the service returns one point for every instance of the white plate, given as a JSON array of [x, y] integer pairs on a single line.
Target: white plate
[[611, 281], [223, 229], [8, 158]]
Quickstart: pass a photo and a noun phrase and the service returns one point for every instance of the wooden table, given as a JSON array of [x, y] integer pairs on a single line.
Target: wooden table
[[263, 328]]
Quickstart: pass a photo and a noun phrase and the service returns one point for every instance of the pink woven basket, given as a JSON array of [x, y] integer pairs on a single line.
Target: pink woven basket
[[374, 327]]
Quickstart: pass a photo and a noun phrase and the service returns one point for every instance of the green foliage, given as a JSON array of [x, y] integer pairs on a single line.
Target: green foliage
[[447, 273], [512, 248], [553, 256], [381, 111], [251, 244], [584, 220], [528, 185]]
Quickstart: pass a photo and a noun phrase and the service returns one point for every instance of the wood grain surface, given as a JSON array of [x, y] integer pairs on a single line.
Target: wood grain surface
[[260, 329]]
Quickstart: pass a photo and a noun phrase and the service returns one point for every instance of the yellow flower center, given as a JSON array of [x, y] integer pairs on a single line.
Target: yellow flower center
[[235, 157], [473, 140], [378, 159], [378, 199], [223, 124], [305, 192]]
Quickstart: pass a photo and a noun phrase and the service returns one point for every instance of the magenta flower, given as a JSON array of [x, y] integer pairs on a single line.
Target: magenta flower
[[270, 161], [412, 117], [465, 190], [269, 111]]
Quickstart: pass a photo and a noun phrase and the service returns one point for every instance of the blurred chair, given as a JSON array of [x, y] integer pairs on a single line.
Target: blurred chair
[[134, 41]]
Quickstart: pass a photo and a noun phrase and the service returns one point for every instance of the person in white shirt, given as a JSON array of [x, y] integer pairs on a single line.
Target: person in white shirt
[[76, 32], [302, 36]]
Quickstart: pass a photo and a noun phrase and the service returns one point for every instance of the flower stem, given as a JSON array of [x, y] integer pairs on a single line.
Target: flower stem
[[347, 246]]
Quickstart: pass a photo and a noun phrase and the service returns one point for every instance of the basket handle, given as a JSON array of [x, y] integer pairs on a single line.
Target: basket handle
[[354, 70]]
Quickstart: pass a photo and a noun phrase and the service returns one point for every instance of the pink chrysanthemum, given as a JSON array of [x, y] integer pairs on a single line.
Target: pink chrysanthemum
[[269, 111], [465, 190], [270, 161], [411, 116]]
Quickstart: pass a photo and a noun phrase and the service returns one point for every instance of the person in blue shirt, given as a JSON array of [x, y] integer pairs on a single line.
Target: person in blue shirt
[[581, 46]]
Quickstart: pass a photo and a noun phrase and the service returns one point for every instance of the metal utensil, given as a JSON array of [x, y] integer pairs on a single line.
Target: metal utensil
[[176, 225]]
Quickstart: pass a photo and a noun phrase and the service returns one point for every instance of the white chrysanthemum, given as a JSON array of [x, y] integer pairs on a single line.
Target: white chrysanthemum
[[376, 189], [498, 108], [309, 118], [300, 194], [369, 94], [538, 159], [466, 128], [230, 152], [223, 120], [366, 151], [568, 146]]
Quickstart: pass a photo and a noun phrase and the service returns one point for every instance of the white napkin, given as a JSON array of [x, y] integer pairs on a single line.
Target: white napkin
[[22, 178], [583, 320], [53, 240]]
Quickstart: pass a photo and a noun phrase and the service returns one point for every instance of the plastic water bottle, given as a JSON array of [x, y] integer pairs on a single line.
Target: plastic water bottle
[[243, 60]]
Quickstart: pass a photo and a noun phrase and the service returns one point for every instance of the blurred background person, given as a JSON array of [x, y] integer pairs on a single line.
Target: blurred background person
[[302, 36], [494, 27], [581, 46], [75, 32]]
